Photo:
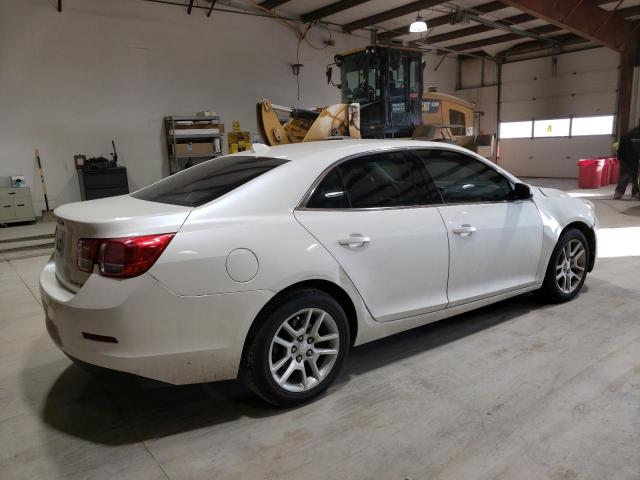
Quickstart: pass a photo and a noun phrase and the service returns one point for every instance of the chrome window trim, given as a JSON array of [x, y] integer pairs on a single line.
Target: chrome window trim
[[311, 190], [404, 207]]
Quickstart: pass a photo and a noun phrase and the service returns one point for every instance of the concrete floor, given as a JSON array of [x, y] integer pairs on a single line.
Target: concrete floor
[[516, 390]]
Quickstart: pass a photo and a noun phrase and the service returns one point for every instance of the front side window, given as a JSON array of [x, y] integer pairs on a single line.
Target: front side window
[[207, 181], [388, 179], [463, 179]]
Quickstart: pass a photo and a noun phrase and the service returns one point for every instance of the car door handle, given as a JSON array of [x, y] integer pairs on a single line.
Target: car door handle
[[355, 240], [464, 230]]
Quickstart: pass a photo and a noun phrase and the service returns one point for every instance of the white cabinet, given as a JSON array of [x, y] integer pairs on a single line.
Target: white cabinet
[[16, 205]]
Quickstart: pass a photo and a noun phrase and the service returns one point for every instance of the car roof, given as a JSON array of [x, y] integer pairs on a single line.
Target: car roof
[[283, 187], [328, 151]]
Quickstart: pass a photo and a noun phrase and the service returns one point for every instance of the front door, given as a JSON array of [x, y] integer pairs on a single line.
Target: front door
[[495, 241], [373, 215]]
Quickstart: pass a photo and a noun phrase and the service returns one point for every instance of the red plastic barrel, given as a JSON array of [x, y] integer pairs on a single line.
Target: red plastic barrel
[[615, 170], [606, 172], [590, 172]]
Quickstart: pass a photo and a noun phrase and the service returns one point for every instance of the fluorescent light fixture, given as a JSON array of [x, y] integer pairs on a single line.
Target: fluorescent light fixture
[[418, 26]]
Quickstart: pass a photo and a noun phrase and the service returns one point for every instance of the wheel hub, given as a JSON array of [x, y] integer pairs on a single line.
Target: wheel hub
[[304, 350], [571, 266], [304, 347]]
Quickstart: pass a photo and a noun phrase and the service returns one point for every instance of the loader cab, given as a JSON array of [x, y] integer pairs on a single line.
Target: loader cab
[[387, 83]]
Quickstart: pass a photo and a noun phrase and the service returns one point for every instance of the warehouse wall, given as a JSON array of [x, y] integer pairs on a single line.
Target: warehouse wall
[[72, 81], [477, 84], [635, 97], [585, 83]]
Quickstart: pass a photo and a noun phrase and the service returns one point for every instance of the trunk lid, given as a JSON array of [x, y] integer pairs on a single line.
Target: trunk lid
[[122, 216]]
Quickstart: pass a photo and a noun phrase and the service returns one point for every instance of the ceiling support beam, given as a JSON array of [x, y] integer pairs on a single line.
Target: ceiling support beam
[[465, 32], [442, 20], [331, 9], [584, 18], [213, 4], [565, 39], [543, 30], [391, 14], [630, 11], [271, 4]]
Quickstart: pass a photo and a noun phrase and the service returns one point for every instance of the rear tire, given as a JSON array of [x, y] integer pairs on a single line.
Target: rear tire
[[567, 269], [297, 349]]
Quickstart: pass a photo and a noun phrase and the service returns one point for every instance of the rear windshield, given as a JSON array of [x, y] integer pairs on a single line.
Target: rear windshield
[[198, 185]]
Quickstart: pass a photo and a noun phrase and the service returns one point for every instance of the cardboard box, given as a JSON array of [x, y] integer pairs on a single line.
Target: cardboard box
[[203, 148]]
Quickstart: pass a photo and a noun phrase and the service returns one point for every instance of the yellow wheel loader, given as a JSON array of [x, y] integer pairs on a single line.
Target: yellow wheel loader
[[382, 97], [340, 120]]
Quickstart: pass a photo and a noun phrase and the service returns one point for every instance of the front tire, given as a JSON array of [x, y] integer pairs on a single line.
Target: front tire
[[297, 349], [567, 269]]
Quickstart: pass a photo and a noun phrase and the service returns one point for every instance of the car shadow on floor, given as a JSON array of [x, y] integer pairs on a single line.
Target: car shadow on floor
[[632, 211], [115, 413]]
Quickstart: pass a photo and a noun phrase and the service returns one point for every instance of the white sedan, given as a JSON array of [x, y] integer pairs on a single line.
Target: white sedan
[[270, 266]]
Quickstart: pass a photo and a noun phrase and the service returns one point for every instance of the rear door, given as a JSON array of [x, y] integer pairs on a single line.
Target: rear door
[[495, 241], [375, 216]]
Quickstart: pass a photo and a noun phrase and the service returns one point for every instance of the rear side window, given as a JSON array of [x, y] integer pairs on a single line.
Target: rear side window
[[381, 180], [388, 179], [207, 181], [329, 193], [463, 179]]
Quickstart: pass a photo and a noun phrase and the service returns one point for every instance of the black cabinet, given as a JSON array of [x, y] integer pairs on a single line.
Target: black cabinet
[[102, 182]]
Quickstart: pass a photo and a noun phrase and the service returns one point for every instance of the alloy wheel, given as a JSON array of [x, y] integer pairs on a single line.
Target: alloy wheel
[[571, 266], [304, 350]]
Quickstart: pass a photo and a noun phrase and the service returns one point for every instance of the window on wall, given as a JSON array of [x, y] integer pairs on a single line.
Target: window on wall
[[558, 127], [601, 125], [516, 129]]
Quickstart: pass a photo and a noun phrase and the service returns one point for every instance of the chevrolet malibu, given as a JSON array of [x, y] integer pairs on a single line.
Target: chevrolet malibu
[[270, 266]]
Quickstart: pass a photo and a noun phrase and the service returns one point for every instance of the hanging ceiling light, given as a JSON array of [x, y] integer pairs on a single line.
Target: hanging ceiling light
[[418, 26]]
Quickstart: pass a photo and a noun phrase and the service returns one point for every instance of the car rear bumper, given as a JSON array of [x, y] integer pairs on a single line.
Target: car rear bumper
[[140, 327]]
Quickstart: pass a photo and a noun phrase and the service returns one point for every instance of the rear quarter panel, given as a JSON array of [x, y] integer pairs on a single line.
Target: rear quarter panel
[[195, 262]]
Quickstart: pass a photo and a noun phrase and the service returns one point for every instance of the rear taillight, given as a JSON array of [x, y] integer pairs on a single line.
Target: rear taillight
[[87, 253], [121, 257]]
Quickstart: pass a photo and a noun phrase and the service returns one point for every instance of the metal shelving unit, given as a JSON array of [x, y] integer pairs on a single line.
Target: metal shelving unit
[[179, 159]]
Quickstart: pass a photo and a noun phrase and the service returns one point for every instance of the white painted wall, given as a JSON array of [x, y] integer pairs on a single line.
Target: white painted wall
[[71, 82], [585, 84], [101, 70], [444, 77], [484, 97]]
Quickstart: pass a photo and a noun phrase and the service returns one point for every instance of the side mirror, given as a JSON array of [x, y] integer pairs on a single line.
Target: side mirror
[[522, 192], [329, 74]]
